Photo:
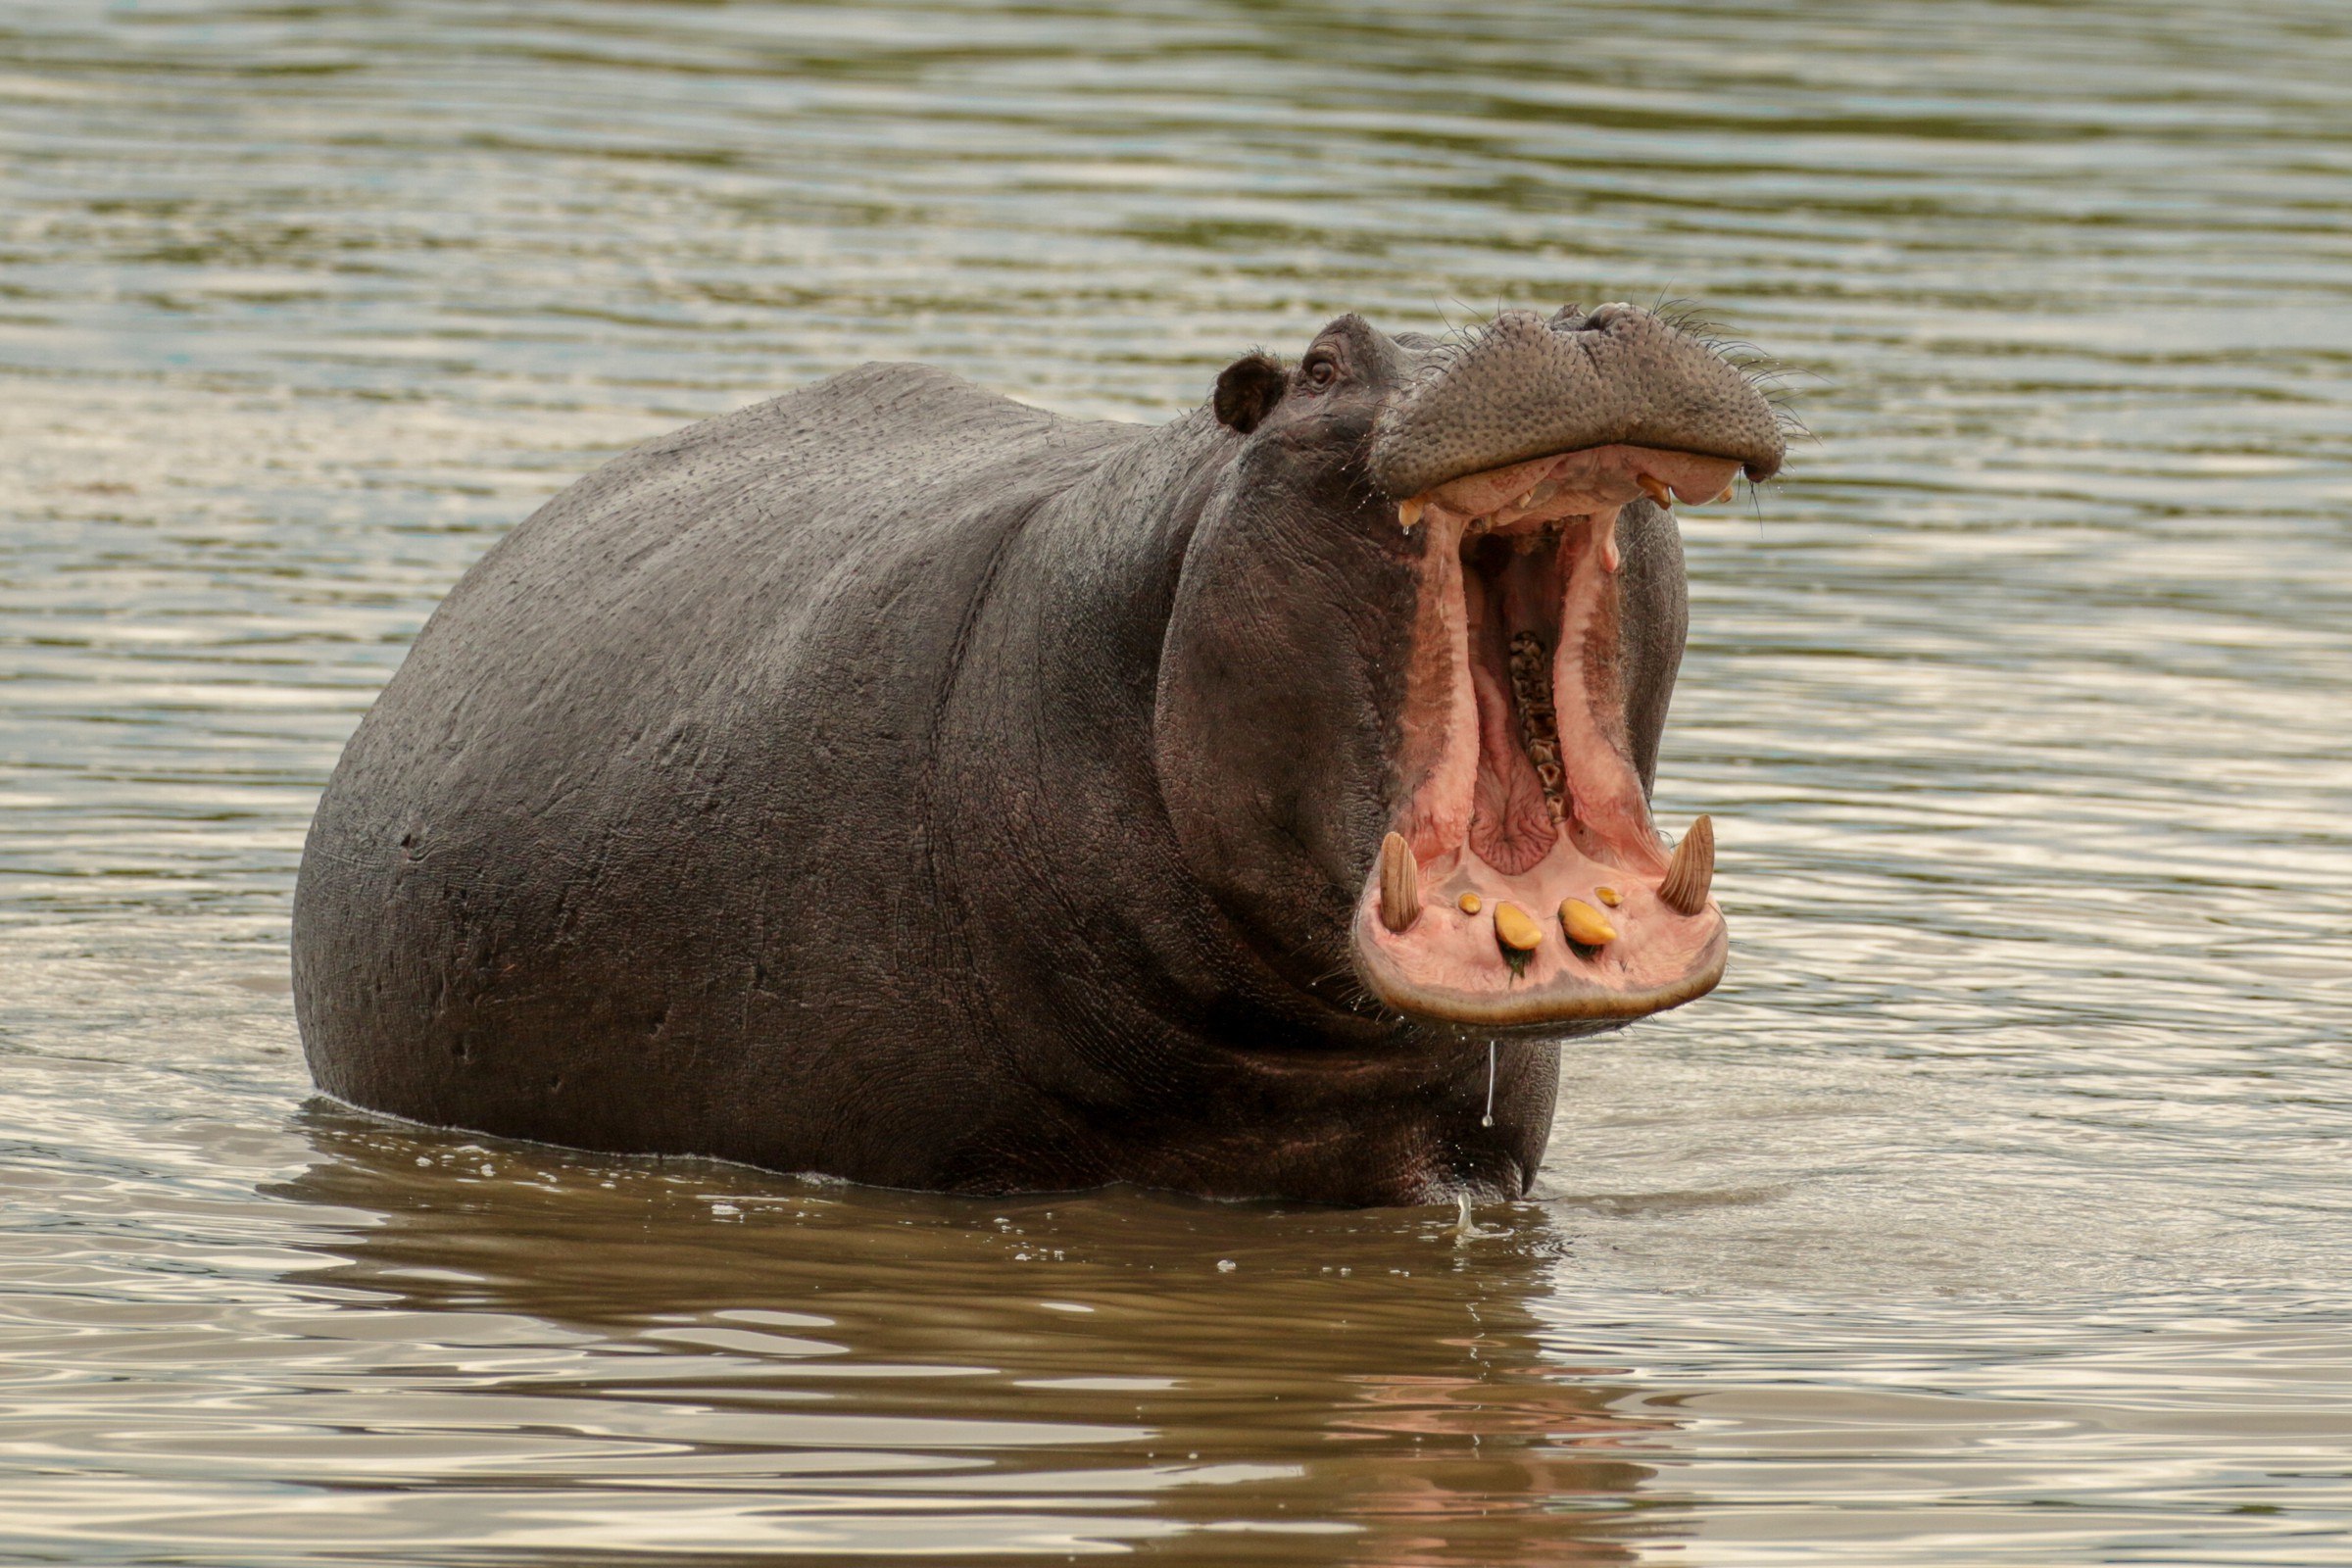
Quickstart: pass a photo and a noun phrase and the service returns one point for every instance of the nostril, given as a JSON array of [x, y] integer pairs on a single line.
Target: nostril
[[1575, 318]]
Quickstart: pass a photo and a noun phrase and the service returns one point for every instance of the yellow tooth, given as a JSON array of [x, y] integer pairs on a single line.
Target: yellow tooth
[[1585, 925], [1409, 512], [1726, 496], [1609, 896], [1657, 490], [1514, 930], [1469, 903]]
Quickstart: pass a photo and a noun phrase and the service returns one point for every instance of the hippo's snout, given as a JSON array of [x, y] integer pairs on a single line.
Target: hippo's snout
[[1528, 387], [1522, 881]]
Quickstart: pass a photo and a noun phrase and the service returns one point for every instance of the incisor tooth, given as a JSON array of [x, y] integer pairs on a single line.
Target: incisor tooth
[[1514, 930], [1726, 496], [1400, 884], [1409, 512], [1585, 925], [1469, 903], [1657, 490], [1692, 871], [1609, 896]]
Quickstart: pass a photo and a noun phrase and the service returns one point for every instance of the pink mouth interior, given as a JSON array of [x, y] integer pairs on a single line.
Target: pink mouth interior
[[1515, 750]]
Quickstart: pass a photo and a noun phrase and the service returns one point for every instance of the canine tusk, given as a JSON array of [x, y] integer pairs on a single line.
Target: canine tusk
[[1400, 884], [1692, 871]]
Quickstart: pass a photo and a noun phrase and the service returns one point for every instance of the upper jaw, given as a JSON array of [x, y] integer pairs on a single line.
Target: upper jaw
[[1619, 928], [1523, 386], [1554, 489]]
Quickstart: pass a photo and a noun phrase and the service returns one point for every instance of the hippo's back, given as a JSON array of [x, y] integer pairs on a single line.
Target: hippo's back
[[665, 740]]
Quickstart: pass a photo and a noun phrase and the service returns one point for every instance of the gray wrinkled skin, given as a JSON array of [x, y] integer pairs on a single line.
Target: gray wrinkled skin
[[894, 781], [1524, 387]]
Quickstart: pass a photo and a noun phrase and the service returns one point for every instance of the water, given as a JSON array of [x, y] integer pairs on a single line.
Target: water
[[1994, 1212]]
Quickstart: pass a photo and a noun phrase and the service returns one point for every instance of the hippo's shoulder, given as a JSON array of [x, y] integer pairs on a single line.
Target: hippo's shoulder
[[883, 442], [882, 414]]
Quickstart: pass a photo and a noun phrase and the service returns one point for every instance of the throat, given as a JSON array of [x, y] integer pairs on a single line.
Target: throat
[[1513, 590]]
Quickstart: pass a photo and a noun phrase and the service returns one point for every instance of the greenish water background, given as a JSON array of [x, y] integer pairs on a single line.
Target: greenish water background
[[1994, 1212]]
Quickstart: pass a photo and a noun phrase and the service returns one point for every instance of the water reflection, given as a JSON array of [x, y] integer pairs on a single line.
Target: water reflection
[[1036, 1375]]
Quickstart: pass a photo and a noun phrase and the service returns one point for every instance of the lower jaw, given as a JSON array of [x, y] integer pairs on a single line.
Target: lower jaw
[[1561, 996], [1452, 965]]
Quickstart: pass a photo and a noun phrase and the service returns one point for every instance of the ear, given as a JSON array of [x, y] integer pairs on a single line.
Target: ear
[[1247, 390]]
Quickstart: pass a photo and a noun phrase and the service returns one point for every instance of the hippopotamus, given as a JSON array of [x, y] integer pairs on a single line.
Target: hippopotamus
[[902, 783]]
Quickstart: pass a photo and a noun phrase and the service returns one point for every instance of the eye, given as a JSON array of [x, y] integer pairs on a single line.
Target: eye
[[1320, 369]]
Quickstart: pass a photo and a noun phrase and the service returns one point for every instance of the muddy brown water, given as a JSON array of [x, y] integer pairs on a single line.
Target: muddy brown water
[[1994, 1212]]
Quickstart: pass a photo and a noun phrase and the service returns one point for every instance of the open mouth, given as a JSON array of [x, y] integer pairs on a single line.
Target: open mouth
[[1524, 883]]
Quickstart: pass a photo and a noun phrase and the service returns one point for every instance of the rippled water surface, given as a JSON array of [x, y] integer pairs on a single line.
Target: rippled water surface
[[1995, 1209]]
